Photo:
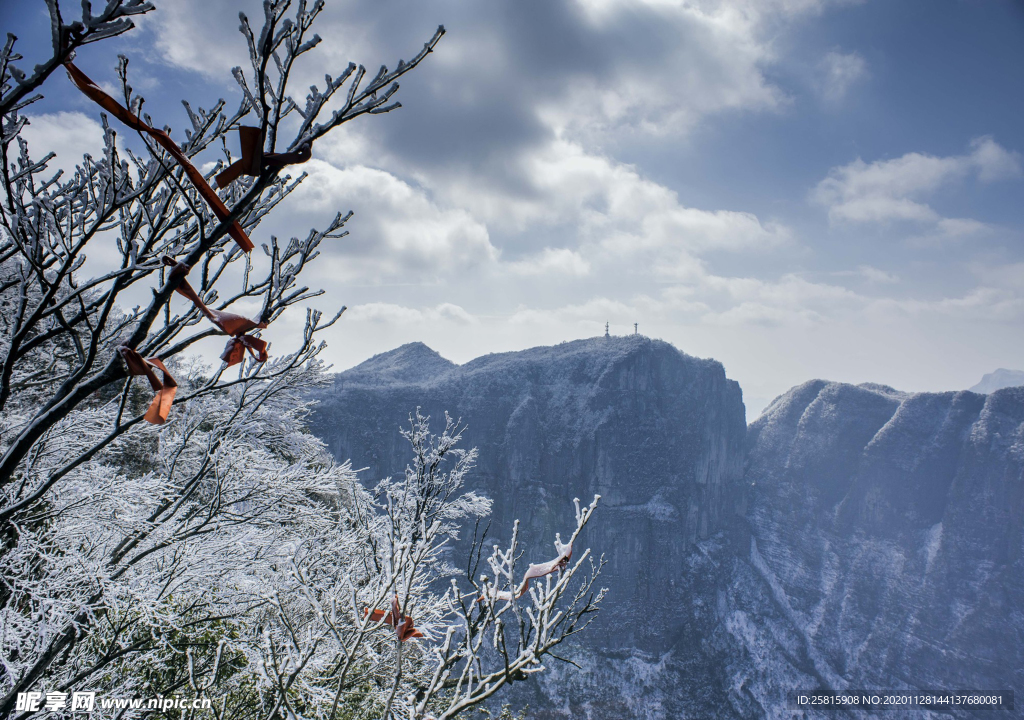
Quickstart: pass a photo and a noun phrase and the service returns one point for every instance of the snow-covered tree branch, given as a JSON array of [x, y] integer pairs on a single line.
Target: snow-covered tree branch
[[201, 540], [359, 623]]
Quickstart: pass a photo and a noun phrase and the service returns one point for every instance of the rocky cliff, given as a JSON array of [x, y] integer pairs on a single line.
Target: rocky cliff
[[852, 538], [657, 433], [886, 547]]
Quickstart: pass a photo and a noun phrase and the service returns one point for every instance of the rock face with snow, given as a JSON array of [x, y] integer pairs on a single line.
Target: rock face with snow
[[658, 434], [886, 548], [852, 538]]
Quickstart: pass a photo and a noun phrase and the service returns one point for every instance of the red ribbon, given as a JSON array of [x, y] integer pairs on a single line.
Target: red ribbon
[[232, 324], [402, 623], [536, 571], [253, 158], [234, 352], [96, 94], [161, 405]]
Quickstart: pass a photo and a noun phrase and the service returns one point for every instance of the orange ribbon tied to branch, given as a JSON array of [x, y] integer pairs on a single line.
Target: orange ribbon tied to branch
[[161, 405], [402, 623], [253, 158], [536, 571], [231, 323], [97, 95]]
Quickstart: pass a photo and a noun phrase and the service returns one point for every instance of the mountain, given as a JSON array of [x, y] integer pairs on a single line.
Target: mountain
[[886, 548], [1001, 378], [657, 433], [851, 538], [409, 364]]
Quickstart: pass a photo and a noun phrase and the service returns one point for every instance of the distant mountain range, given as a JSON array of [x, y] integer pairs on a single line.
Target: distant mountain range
[[852, 538], [1001, 378]]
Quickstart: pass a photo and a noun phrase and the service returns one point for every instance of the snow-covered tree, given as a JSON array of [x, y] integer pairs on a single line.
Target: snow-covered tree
[[217, 550]]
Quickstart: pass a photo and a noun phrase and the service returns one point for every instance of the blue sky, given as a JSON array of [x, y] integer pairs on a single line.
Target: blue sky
[[798, 188]]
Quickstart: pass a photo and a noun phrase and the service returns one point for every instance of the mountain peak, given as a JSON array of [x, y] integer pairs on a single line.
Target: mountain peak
[[1001, 378], [410, 363]]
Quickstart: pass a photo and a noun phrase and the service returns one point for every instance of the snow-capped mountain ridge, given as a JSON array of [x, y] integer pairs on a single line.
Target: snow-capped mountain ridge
[[413, 362], [851, 537], [893, 524]]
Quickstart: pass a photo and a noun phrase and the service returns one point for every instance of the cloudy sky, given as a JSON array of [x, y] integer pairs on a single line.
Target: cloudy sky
[[797, 188]]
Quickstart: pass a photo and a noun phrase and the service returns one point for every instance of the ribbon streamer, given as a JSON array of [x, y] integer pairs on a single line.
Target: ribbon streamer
[[232, 324], [137, 365], [537, 571], [402, 623], [253, 158], [96, 94]]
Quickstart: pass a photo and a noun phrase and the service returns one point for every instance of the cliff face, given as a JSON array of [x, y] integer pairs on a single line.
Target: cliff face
[[852, 538], [658, 434], [886, 545]]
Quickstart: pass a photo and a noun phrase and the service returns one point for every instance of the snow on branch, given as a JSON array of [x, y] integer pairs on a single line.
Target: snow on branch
[[218, 547]]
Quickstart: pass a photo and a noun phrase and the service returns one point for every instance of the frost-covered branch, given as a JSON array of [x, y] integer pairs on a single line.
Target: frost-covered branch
[[114, 19], [48, 220], [379, 666], [67, 400], [216, 548]]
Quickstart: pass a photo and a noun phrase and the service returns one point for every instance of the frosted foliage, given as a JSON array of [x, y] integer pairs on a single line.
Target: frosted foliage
[[170, 527], [221, 553], [238, 560]]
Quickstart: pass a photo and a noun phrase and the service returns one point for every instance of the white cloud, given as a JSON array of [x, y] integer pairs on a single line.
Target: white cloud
[[1005, 276], [888, 190], [202, 36], [593, 313], [839, 72], [715, 64], [399, 231], [69, 134], [663, 66], [994, 162], [980, 304], [706, 58], [791, 299], [553, 261], [619, 218], [876, 275], [948, 231], [709, 300], [393, 314], [881, 208]]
